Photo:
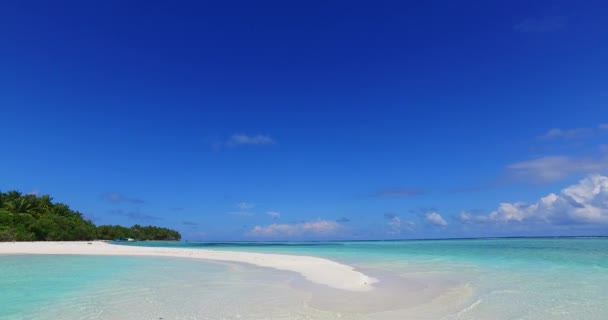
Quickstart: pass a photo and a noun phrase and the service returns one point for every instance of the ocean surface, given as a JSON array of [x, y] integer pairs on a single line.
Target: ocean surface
[[523, 278]]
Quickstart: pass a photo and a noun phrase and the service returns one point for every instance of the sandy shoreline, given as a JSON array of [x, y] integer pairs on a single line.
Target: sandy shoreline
[[317, 270]]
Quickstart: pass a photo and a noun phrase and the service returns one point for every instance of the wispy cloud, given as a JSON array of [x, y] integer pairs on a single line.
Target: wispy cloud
[[252, 140], [399, 193], [573, 133], [557, 133], [244, 209], [585, 202], [343, 220], [310, 228], [395, 225], [190, 223], [245, 205], [470, 215], [118, 197], [435, 219], [554, 168], [274, 214], [541, 25]]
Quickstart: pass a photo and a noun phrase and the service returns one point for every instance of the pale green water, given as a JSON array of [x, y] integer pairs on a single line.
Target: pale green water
[[562, 278], [30, 282]]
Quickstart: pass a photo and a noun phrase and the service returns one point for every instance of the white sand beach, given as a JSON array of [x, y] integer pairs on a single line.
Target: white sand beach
[[316, 270]]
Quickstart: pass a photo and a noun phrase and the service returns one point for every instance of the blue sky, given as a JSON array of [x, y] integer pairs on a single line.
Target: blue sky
[[249, 120]]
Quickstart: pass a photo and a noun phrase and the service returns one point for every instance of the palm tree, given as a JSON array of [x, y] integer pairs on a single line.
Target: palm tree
[[20, 205], [45, 202]]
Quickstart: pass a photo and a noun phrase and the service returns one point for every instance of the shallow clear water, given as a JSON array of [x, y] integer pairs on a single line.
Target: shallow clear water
[[559, 278]]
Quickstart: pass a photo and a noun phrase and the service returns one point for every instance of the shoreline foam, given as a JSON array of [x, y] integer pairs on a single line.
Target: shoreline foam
[[314, 269]]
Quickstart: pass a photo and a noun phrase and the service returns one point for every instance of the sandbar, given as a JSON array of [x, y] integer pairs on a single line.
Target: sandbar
[[314, 269]]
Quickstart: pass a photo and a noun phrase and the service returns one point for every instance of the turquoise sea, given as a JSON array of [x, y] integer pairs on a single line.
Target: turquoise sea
[[523, 278]]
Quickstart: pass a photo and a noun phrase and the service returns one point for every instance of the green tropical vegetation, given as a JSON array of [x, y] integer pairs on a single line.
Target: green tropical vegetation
[[36, 218], [137, 232]]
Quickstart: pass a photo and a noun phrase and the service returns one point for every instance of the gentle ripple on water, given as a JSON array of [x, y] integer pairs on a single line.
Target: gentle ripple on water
[[447, 279]]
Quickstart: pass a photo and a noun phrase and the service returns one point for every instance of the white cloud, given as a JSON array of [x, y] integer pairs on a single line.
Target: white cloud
[[243, 139], [584, 203], [566, 133], [273, 214], [244, 209], [554, 168], [394, 225], [467, 217], [436, 219], [584, 132], [245, 205], [315, 227]]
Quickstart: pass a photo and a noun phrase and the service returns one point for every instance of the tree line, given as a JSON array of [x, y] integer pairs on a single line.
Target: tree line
[[33, 218]]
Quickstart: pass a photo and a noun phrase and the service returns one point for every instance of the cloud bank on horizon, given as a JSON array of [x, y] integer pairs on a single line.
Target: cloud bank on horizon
[[281, 230], [583, 203]]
